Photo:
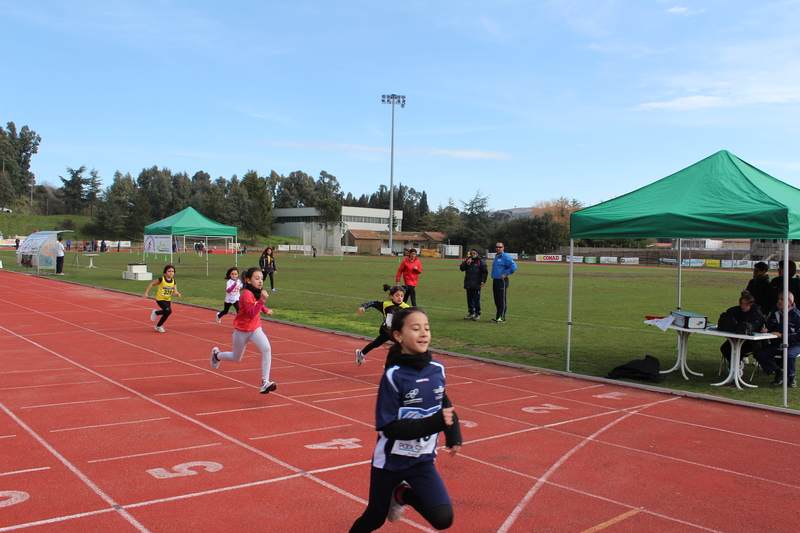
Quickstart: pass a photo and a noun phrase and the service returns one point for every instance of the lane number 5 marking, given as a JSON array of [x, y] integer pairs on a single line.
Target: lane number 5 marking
[[184, 469]]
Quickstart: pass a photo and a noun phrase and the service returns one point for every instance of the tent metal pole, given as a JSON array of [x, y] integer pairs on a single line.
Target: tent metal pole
[[569, 304], [785, 310], [680, 264]]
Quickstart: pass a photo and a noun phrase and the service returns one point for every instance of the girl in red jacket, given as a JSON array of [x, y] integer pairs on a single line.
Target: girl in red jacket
[[247, 327], [410, 269]]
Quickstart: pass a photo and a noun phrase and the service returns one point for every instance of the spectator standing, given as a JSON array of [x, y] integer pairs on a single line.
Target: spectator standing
[[59, 257], [16, 244], [475, 274], [118, 244], [410, 268], [69, 244], [103, 246], [502, 267], [776, 283], [759, 287], [268, 268]]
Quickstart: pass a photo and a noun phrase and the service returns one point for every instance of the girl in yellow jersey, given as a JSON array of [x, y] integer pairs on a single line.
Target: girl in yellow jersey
[[395, 303], [167, 287]]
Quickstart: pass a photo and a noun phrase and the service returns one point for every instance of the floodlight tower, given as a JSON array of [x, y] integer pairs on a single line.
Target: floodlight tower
[[400, 100]]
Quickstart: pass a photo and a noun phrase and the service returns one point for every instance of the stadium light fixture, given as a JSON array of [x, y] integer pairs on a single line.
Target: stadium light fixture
[[393, 99]]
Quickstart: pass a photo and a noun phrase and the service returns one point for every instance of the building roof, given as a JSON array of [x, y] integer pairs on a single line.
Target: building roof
[[364, 234], [436, 235]]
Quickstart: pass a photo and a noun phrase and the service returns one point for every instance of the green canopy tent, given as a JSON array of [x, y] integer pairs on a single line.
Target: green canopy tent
[[190, 223], [718, 197]]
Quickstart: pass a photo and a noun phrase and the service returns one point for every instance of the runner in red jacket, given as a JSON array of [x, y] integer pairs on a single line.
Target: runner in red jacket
[[410, 269]]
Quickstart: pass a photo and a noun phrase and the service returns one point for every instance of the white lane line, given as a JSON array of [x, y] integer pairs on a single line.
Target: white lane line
[[25, 471], [298, 432], [110, 425], [346, 398], [75, 403], [159, 452], [226, 411], [196, 391], [526, 375], [161, 377], [43, 370], [50, 385]]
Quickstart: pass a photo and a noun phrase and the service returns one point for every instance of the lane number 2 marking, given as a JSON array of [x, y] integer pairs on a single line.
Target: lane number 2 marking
[[184, 469]]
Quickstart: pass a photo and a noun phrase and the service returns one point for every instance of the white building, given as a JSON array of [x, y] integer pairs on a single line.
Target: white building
[[289, 221]]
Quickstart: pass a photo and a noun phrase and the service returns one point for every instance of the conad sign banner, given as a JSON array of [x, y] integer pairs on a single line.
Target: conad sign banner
[[629, 260], [548, 258]]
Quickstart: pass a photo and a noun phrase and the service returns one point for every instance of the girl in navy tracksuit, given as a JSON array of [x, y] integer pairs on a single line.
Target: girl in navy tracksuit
[[411, 410]]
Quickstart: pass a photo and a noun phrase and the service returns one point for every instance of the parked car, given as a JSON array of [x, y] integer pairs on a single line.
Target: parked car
[[6, 210]]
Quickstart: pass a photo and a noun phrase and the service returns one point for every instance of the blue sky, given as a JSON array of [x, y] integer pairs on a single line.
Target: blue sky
[[523, 101]]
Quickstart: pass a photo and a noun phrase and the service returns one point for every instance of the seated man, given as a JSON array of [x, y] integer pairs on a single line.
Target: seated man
[[766, 356], [747, 312]]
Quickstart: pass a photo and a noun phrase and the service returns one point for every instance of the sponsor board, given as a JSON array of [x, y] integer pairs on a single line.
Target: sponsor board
[[574, 258], [548, 257], [713, 263], [591, 260], [629, 260], [693, 263], [608, 260]]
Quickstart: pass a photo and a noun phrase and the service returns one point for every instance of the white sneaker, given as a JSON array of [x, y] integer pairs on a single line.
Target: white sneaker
[[274, 290], [153, 315], [219, 319], [396, 509], [214, 360], [160, 329], [360, 357], [267, 387]]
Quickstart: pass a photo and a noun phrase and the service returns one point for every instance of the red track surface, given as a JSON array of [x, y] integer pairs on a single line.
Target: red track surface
[[107, 425]]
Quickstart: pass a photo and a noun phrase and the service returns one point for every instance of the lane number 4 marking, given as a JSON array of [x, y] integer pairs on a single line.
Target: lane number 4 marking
[[184, 469]]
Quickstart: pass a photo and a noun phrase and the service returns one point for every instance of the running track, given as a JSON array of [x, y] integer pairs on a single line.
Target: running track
[[106, 425]]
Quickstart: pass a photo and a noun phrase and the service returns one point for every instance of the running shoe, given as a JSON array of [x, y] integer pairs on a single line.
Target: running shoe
[[214, 360], [396, 508], [267, 387], [476, 317], [153, 315], [274, 290], [469, 317], [360, 357], [219, 319], [499, 320], [160, 329]]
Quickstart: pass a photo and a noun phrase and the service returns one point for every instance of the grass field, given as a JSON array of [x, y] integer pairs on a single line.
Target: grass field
[[610, 305]]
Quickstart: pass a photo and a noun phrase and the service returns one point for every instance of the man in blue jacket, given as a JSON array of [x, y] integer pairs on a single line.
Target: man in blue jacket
[[502, 267]]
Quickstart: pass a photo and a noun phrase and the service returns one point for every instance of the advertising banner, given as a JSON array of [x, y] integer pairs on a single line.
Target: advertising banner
[[591, 260], [157, 244], [608, 260], [694, 263], [548, 258], [629, 260], [575, 258]]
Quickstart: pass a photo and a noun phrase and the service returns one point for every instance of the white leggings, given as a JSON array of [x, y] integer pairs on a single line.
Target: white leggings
[[257, 337]]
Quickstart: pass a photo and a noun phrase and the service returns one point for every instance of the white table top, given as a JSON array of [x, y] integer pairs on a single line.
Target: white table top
[[713, 331]]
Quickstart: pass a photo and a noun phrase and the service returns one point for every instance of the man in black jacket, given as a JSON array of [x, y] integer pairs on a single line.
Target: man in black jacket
[[747, 312], [475, 274]]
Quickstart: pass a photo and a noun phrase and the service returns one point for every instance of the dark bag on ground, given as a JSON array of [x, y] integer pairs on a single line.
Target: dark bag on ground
[[727, 323], [646, 369]]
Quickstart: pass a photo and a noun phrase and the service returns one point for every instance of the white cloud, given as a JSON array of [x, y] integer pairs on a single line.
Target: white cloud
[[686, 102], [684, 11], [434, 152]]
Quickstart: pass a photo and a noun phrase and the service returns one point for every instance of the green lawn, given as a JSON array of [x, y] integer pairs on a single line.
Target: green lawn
[[610, 305]]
